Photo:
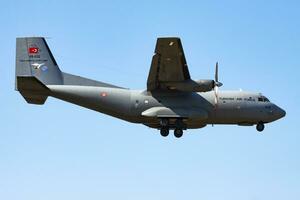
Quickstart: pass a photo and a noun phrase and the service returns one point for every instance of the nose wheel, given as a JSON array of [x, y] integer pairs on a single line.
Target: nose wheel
[[260, 127]]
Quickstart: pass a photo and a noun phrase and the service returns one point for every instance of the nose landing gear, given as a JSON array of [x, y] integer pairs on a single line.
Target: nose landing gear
[[260, 126]]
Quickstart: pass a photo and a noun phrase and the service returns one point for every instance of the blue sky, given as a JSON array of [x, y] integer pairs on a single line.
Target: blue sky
[[62, 151]]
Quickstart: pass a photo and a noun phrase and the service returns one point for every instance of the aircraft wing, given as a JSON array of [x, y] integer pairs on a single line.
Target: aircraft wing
[[168, 65]]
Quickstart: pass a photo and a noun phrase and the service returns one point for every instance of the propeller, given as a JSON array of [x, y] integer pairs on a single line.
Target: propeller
[[217, 84]]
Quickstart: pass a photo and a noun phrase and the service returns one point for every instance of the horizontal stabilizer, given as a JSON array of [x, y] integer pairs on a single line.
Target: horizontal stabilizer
[[33, 90]]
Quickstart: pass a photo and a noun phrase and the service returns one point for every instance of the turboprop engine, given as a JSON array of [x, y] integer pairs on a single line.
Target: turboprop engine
[[192, 86], [202, 85]]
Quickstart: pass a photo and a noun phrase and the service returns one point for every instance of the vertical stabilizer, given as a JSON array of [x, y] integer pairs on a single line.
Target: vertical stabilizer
[[35, 68], [34, 59]]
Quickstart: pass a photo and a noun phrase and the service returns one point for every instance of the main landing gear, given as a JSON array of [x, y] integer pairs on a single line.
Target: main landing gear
[[164, 131], [260, 126], [178, 132], [166, 126]]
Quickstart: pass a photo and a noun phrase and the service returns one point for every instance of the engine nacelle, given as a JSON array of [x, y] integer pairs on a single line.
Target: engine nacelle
[[191, 86], [205, 85]]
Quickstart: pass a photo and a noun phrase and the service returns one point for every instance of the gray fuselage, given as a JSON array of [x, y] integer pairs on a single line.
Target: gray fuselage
[[196, 109]]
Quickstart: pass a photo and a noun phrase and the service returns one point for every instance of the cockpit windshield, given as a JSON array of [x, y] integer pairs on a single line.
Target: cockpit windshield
[[263, 99]]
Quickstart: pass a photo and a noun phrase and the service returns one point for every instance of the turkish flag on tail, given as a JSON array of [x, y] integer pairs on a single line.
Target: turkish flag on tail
[[33, 50]]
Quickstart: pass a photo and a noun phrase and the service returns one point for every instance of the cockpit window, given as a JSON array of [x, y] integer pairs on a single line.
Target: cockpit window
[[263, 99]]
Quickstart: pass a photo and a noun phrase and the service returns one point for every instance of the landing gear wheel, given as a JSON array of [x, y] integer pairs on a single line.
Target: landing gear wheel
[[164, 132], [260, 127], [178, 132]]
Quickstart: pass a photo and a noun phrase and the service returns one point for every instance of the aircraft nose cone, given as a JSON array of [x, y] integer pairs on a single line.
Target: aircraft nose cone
[[280, 112]]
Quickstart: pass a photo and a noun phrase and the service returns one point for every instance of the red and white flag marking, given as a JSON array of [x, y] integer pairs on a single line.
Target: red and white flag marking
[[33, 50]]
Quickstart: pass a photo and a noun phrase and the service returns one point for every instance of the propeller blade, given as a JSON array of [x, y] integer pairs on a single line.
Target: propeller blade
[[217, 83], [216, 95], [216, 73]]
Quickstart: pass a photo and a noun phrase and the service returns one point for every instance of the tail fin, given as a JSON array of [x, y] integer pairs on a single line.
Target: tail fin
[[35, 68], [34, 58]]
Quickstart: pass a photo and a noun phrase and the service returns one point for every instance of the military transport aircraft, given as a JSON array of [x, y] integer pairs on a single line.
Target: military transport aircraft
[[172, 100]]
